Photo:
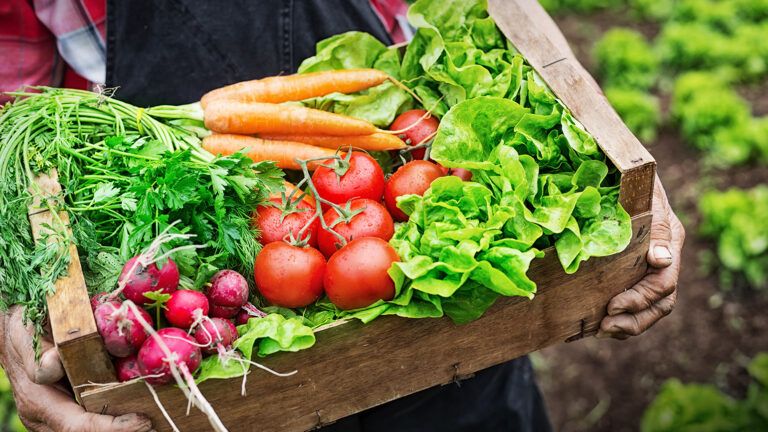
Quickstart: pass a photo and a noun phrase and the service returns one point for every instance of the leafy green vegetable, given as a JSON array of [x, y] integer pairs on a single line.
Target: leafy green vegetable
[[268, 335], [696, 407], [539, 178], [639, 110], [716, 119], [625, 60], [350, 50], [735, 218]]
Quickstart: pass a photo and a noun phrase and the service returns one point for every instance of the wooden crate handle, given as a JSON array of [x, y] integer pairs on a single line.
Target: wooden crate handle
[[73, 326]]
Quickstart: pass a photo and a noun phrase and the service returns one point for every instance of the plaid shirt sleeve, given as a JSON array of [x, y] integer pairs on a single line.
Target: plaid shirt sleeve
[[48, 40]]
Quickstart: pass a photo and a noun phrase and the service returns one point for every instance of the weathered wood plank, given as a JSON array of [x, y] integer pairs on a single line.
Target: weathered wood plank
[[354, 367], [73, 326]]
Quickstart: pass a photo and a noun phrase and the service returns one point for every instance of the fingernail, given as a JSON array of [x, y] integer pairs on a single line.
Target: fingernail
[[662, 253]]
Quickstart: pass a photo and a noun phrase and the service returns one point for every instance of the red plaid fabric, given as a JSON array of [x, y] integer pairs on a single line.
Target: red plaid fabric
[[62, 42], [51, 42]]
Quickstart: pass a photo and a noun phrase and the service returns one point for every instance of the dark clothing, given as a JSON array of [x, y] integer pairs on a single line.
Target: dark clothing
[[501, 398], [173, 51]]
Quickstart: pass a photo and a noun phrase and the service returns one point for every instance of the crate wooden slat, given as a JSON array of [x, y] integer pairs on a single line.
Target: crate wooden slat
[[73, 326], [354, 367]]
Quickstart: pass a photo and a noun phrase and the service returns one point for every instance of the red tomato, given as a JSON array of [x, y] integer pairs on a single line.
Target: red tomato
[[374, 221], [274, 227], [357, 276], [461, 173], [363, 179], [289, 276], [411, 178], [417, 134]]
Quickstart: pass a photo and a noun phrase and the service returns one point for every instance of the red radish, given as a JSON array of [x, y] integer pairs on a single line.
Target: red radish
[[356, 275], [140, 280], [276, 222], [411, 178], [122, 333], [153, 363], [185, 307], [227, 293], [214, 333], [418, 127], [361, 177], [127, 368], [247, 312], [98, 299], [289, 276], [372, 221], [223, 311]]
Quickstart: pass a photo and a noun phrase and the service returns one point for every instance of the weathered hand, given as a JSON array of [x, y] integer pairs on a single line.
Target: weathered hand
[[653, 297], [42, 405]]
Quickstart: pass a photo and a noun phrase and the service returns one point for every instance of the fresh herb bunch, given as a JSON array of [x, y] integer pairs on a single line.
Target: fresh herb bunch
[[127, 173]]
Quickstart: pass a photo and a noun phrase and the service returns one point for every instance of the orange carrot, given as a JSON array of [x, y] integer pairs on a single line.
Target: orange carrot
[[298, 87], [265, 118], [289, 187], [284, 153], [373, 142]]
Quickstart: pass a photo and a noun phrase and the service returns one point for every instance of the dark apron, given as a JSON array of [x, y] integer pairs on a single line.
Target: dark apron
[[173, 51]]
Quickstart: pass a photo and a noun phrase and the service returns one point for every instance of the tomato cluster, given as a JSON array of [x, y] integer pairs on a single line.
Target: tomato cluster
[[342, 248]]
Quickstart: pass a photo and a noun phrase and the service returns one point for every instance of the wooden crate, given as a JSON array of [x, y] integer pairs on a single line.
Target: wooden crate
[[352, 366]]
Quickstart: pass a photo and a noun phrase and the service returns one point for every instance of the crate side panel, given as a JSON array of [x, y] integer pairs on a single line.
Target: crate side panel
[[354, 367]]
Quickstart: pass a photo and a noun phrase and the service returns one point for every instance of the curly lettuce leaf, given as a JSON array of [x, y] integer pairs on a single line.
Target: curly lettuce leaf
[[267, 335]]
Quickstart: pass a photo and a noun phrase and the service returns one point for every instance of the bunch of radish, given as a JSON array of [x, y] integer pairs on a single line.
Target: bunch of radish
[[333, 239], [198, 323]]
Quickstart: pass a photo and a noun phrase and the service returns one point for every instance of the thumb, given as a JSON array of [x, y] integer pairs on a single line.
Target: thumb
[[48, 369], [660, 251]]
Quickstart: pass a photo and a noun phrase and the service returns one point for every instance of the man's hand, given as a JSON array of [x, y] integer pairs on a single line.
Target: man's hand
[[42, 405], [638, 308]]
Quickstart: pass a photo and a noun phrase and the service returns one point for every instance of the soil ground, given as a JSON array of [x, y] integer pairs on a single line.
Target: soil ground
[[605, 385]]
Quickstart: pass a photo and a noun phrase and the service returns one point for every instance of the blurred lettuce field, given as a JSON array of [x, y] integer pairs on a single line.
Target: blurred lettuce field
[[9, 421], [690, 78]]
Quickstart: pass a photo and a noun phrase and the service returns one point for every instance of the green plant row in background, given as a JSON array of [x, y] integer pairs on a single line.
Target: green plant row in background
[[9, 421], [737, 220], [703, 408], [726, 38]]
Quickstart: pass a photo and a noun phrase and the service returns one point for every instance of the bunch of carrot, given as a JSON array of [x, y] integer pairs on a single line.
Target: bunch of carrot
[[251, 115]]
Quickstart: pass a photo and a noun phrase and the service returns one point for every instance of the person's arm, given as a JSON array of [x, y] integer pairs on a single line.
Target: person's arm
[[638, 308], [43, 405]]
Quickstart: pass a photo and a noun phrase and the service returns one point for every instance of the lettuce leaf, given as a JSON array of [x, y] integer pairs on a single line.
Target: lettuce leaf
[[267, 335]]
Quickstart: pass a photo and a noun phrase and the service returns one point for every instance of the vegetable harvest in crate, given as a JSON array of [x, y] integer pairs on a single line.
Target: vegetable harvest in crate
[[419, 183]]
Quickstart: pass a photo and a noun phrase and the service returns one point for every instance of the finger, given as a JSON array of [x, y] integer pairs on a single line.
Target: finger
[[627, 324], [49, 370], [69, 416], [46, 371], [649, 290], [660, 251]]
